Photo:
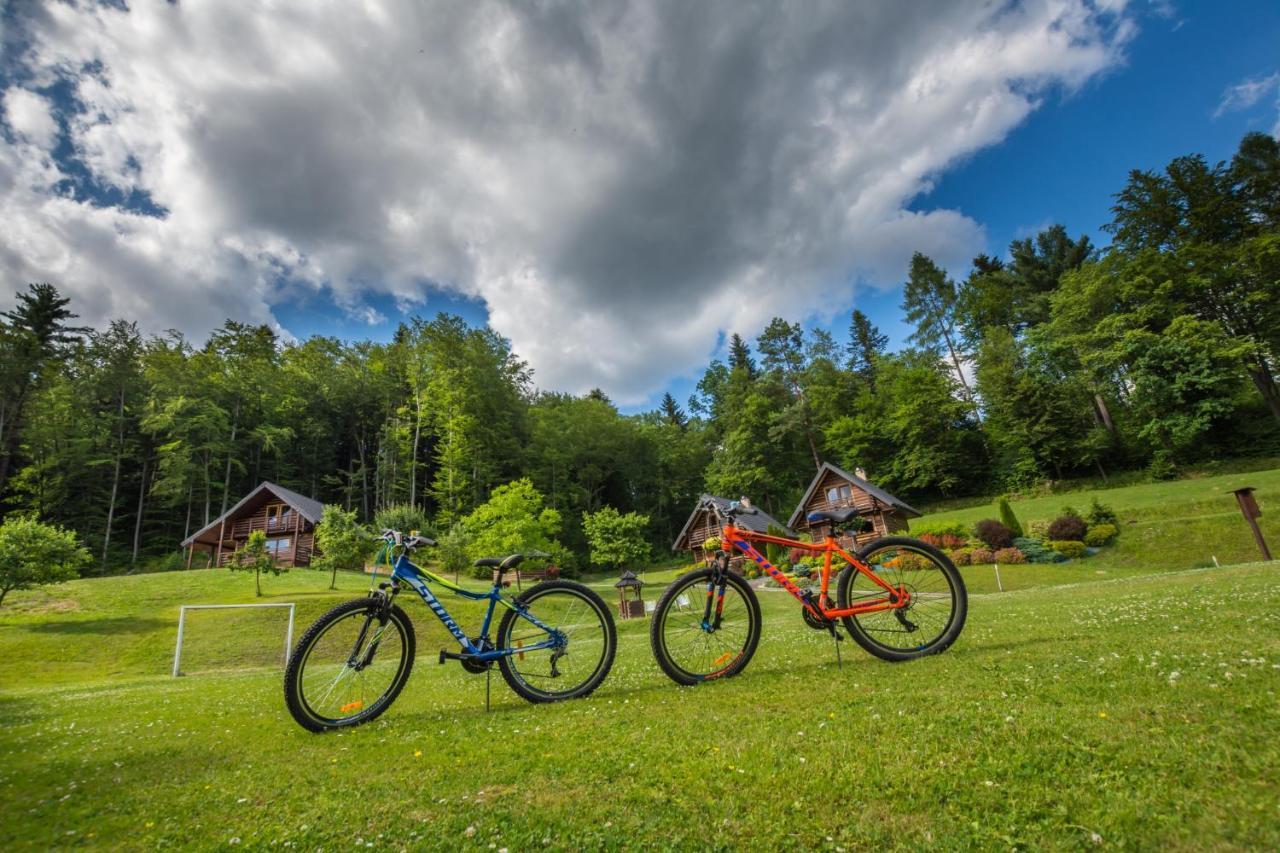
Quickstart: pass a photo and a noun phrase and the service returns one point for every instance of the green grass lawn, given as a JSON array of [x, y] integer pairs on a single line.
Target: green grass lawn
[[1136, 712]]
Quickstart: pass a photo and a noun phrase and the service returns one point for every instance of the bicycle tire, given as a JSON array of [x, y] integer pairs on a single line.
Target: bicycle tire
[[518, 680], [862, 634], [298, 703], [658, 640]]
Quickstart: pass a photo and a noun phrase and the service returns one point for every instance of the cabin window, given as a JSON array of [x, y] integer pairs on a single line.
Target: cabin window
[[839, 494], [276, 547], [278, 516]]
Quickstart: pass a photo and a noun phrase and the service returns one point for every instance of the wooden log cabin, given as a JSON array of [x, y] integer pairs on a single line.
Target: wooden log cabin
[[702, 525], [835, 488], [286, 517]]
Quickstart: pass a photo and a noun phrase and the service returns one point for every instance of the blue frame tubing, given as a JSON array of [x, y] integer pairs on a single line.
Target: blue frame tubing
[[404, 571]]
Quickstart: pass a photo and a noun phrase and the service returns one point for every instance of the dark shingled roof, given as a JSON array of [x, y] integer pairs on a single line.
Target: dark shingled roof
[[308, 508], [875, 491], [759, 521]]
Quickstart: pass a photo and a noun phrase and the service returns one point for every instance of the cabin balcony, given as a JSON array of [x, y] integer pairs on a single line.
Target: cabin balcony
[[271, 526]]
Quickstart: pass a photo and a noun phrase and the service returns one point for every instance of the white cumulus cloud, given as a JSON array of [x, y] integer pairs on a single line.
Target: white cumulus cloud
[[617, 182]]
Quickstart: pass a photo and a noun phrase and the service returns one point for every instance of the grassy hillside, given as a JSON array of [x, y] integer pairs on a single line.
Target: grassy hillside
[[1174, 525], [1134, 712]]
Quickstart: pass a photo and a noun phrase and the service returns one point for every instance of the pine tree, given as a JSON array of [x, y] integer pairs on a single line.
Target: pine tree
[[929, 298], [866, 344], [740, 355], [672, 412]]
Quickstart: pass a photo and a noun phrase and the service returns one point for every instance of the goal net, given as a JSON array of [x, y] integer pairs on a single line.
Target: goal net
[[229, 637]]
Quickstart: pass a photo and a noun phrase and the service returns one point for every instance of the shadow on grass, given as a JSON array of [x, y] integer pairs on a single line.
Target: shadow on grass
[[113, 625]]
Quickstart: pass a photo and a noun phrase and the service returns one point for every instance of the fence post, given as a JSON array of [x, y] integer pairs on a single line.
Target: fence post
[[999, 585]]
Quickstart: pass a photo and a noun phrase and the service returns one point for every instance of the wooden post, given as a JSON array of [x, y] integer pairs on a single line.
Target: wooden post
[[191, 552], [1249, 509]]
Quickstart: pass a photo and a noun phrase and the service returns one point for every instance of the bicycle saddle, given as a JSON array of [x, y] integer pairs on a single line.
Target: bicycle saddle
[[835, 516], [504, 563]]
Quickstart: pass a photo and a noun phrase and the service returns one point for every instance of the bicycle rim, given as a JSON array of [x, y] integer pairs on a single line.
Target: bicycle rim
[[934, 599], [701, 652], [558, 672], [335, 692]]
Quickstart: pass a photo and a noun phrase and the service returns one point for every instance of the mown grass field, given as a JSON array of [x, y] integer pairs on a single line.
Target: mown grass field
[[1135, 709]]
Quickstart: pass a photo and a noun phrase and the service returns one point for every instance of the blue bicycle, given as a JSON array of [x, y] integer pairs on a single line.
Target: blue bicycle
[[555, 641]]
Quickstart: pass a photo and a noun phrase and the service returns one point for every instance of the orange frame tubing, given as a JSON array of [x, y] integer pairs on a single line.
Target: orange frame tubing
[[895, 597]]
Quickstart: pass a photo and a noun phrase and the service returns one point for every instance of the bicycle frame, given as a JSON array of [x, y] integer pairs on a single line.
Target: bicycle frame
[[741, 538], [404, 571]]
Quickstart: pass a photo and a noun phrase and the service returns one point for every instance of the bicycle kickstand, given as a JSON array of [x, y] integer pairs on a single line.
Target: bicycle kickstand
[[835, 635], [488, 673]]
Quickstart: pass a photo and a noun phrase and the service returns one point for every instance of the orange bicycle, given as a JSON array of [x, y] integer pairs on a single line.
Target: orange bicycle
[[899, 598]]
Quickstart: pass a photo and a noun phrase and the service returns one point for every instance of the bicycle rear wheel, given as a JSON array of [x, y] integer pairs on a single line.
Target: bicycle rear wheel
[[349, 666], [584, 642], [937, 609], [691, 649]]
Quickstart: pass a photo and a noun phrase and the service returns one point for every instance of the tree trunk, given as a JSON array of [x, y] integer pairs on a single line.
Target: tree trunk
[[208, 489], [964, 383], [1103, 415], [257, 581], [1260, 373], [115, 482], [137, 524], [413, 461], [191, 493], [231, 449], [364, 481], [1101, 470]]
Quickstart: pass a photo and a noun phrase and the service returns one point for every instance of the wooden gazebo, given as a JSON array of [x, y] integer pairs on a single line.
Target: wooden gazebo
[[633, 607]]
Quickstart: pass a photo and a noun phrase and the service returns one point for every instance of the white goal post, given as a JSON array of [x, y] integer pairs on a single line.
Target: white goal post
[[182, 620]]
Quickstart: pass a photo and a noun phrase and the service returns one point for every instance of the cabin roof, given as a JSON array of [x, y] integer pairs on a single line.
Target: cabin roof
[[875, 491], [759, 521], [308, 508]]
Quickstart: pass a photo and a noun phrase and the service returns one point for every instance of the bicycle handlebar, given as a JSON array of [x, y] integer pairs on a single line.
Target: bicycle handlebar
[[395, 537], [736, 508]]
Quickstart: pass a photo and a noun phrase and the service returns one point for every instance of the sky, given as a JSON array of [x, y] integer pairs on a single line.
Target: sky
[[613, 186]]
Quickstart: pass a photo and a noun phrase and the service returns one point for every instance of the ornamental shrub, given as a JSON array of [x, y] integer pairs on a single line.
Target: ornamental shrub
[[981, 556], [958, 556], [994, 534], [1036, 551], [931, 539], [952, 542], [1100, 534], [1007, 518], [1067, 528], [1010, 555], [1038, 529], [1071, 549], [940, 528], [1100, 513]]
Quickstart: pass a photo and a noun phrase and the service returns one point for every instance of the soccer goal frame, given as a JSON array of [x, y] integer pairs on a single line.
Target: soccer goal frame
[[182, 621]]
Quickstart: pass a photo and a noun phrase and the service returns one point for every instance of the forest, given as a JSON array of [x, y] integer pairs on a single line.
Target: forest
[[1061, 359]]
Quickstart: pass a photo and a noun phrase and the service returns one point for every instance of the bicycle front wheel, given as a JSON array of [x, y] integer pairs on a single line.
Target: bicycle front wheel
[[566, 662], [691, 648], [349, 666], [938, 604]]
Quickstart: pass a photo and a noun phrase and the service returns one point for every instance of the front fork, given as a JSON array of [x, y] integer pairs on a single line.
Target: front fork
[[382, 613], [716, 585]]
